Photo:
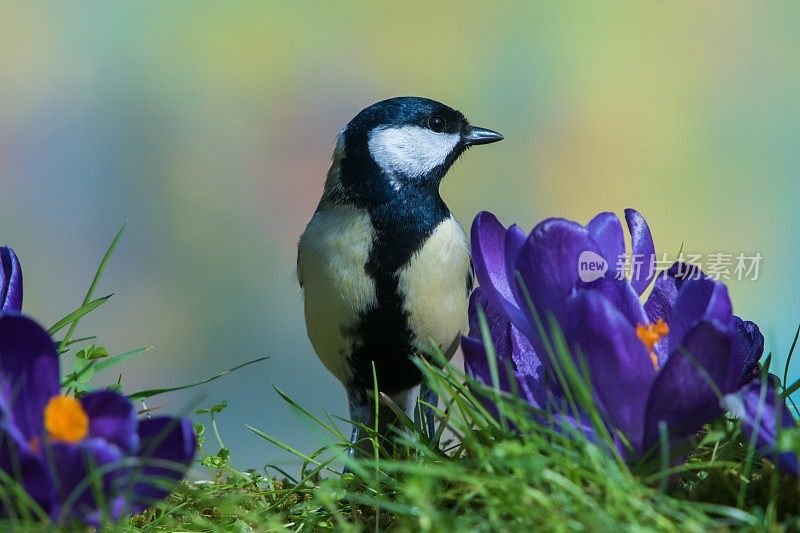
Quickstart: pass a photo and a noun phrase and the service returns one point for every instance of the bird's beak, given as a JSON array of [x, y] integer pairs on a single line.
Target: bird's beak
[[476, 135]]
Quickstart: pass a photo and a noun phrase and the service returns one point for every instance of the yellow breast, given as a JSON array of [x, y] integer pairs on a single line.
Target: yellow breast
[[433, 285]]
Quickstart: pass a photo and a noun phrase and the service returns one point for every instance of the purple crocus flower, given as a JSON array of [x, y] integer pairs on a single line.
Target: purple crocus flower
[[10, 281], [764, 413], [667, 360], [89, 458]]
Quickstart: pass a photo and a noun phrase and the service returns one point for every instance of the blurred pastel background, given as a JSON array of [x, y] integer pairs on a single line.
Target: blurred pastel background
[[208, 127]]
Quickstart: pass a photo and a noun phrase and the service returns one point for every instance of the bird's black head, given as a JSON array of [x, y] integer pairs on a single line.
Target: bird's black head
[[402, 143]]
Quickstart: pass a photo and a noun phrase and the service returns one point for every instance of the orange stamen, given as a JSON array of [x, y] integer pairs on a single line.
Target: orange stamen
[[65, 420], [650, 334]]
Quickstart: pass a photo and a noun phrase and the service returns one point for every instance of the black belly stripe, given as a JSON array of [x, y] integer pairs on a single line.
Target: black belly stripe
[[382, 334]]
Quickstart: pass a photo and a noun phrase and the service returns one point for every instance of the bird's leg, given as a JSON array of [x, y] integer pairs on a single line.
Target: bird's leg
[[360, 414], [406, 400], [390, 426]]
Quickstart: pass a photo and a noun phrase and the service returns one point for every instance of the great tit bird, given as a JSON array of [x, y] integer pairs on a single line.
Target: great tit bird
[[384, 266]]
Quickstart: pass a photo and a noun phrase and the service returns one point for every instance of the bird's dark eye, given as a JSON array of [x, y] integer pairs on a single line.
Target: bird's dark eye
[[437, 124]]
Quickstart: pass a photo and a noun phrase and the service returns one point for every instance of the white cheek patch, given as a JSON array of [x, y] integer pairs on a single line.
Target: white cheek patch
[[410, 150]]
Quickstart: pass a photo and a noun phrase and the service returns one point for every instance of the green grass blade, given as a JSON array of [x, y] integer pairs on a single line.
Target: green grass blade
[[154, 392], [104, 364], [82, 311], [331, 428], [95, 281], [119, 359], [402, 417], [791, 389], [283, 446], [791, 352]]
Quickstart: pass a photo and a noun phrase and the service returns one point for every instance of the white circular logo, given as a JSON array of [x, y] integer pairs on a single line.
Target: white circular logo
[[591, 266]]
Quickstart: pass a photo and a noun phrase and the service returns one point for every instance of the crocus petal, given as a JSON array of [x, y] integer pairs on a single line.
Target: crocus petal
[[529, 371], [548, 266], [524, 356], [663, 296], [662, 299], [620, 293], [580, 426], [476, 362], [513, 353], [498, 323], [18, 462], [750, 347], [619, 365], [703, 299], [112, 417], [489, 261], [682, 395], [112, 511], [606, 231], [29, 373], [515, 240], [763, 415], [10, 281], [83, 475], [666, 288], [488, 241], [166, 448], [476, 366], [642, 248], [532, 390]]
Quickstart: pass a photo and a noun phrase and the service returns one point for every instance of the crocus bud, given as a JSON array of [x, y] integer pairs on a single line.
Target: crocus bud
[[10, 281]]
